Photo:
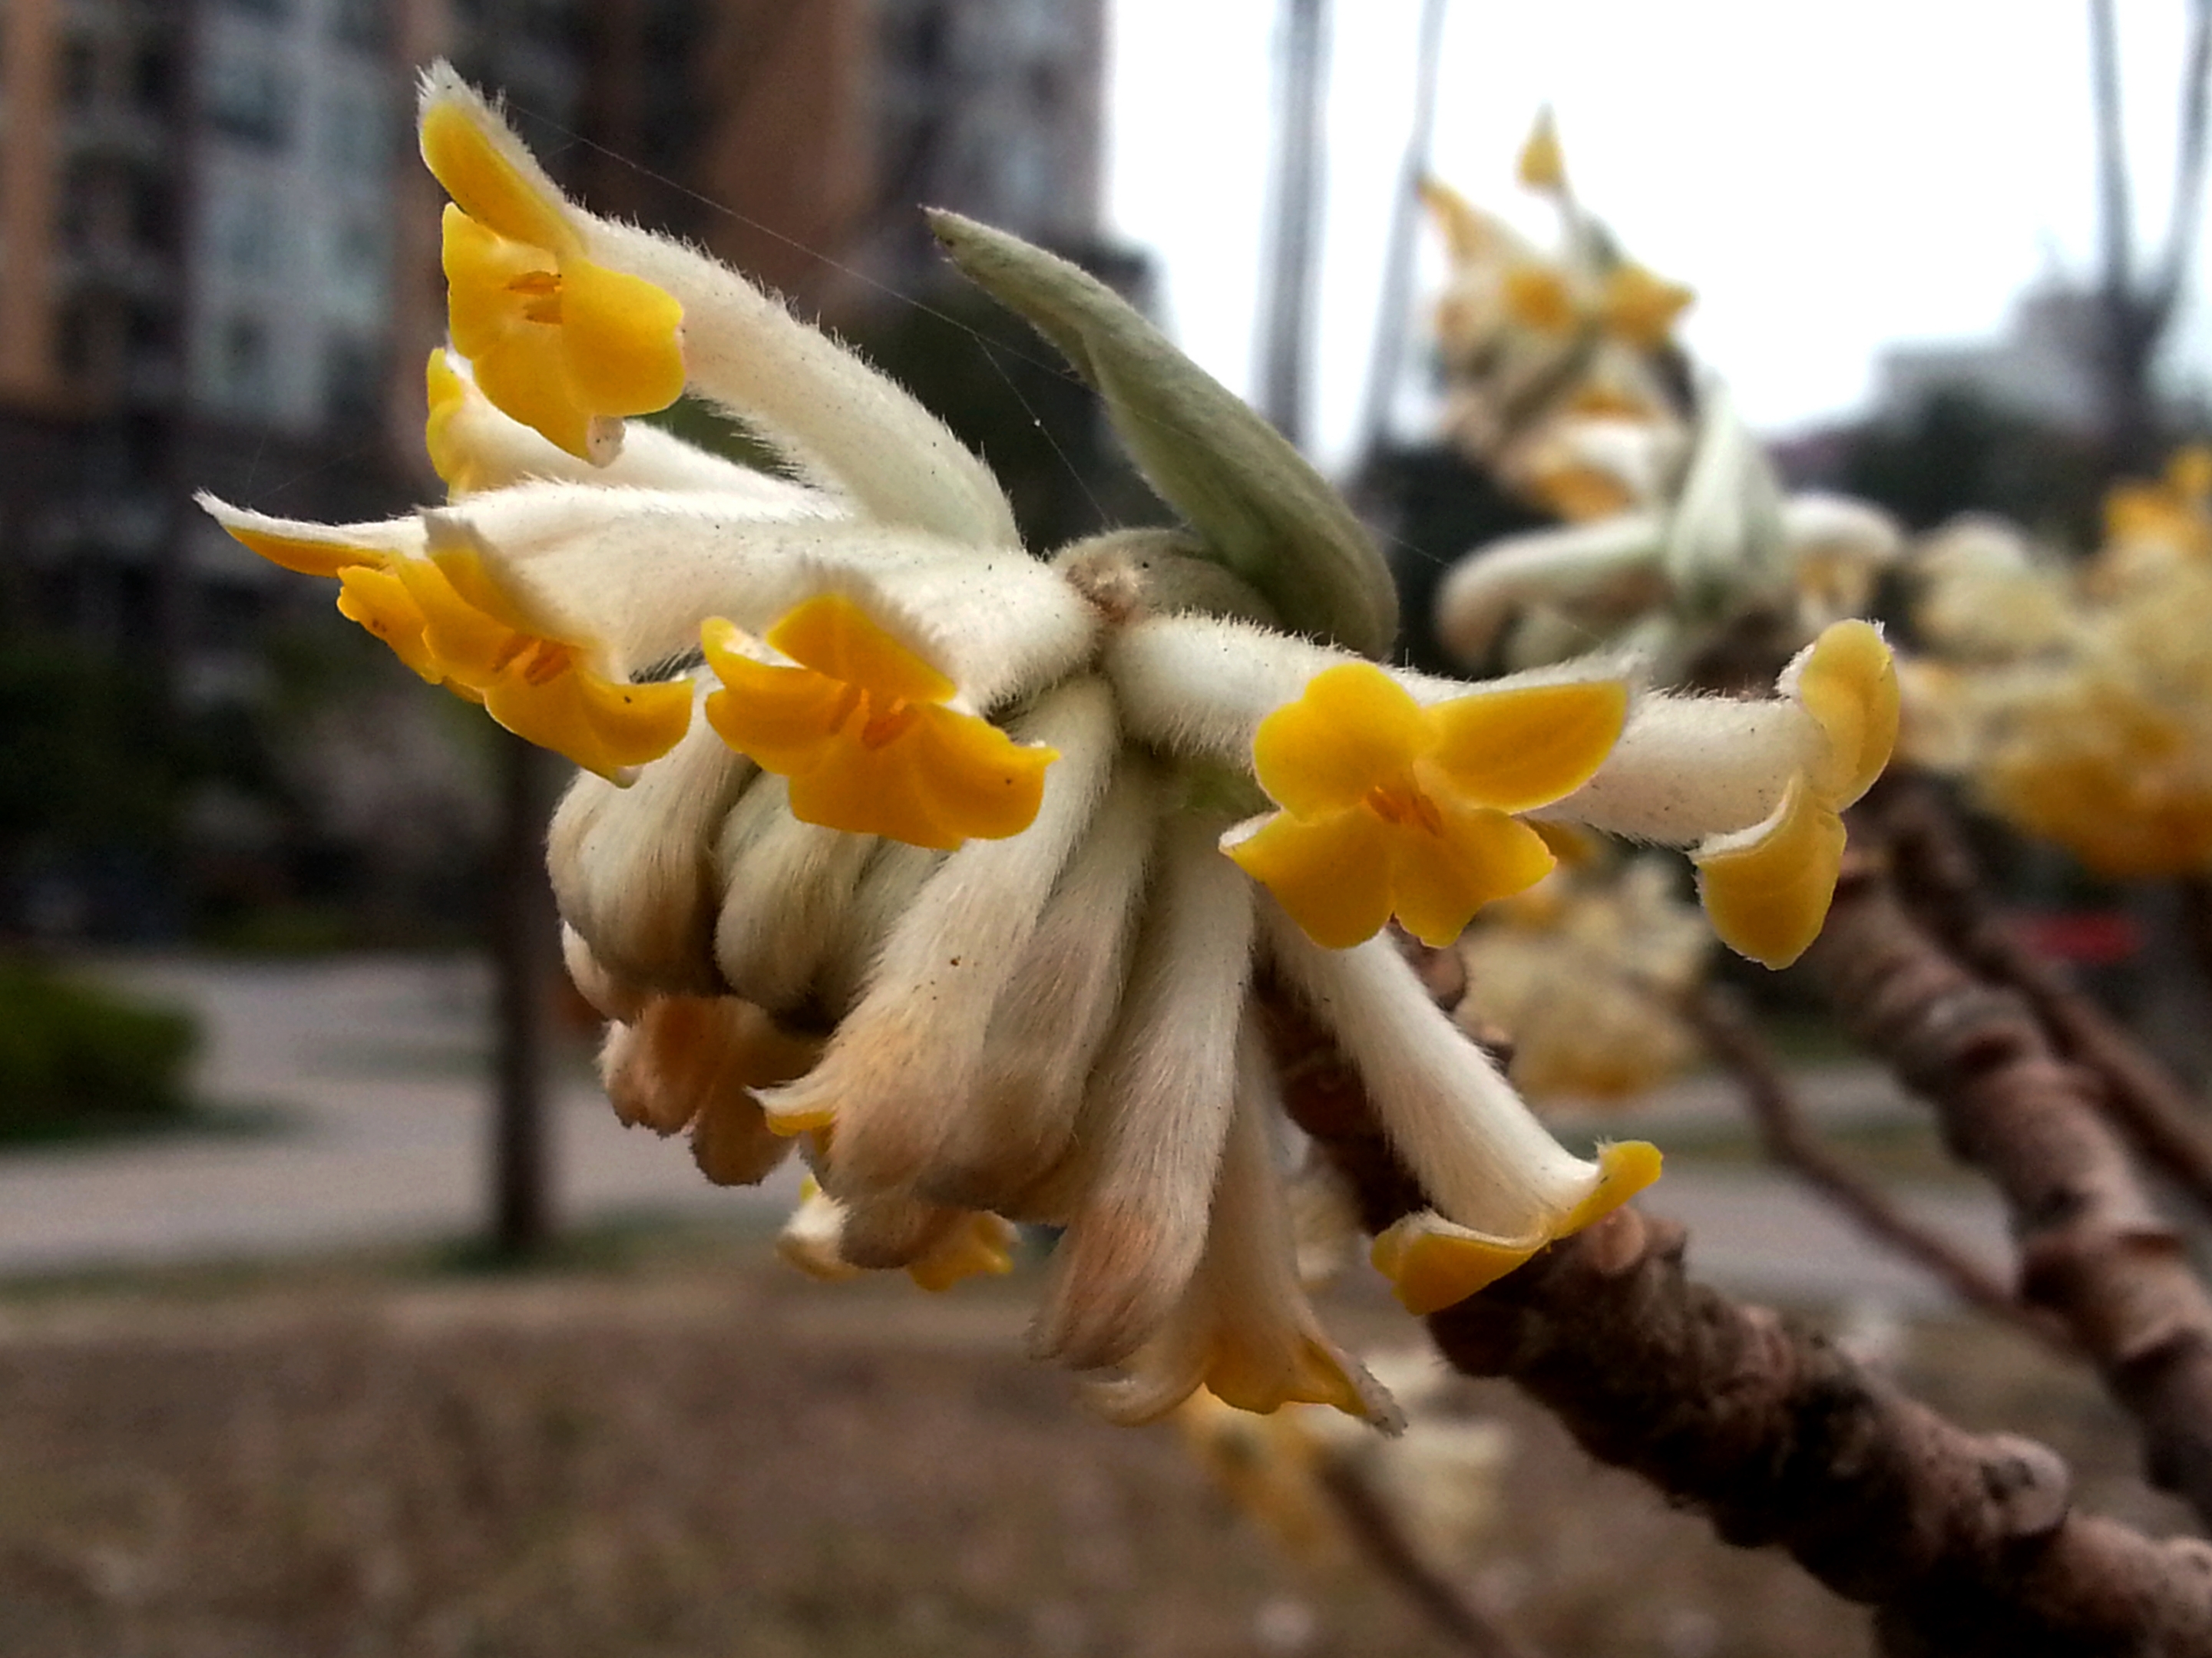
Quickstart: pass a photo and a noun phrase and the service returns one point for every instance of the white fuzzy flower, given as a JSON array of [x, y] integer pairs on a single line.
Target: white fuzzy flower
[[899, 843]]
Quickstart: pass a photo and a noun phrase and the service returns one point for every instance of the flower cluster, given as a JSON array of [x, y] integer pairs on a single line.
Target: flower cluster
[[1563, 381], [1582, 974], [903, 847], [1567, 388], [2077, 698]]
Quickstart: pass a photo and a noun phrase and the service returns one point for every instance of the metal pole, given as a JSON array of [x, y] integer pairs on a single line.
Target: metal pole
[[1388, 355], [1287, 299]]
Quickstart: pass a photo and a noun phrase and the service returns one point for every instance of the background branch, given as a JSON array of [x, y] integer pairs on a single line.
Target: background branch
[[1934, 874], [1734, 1042], [1966, 1543], [2094, 1251]]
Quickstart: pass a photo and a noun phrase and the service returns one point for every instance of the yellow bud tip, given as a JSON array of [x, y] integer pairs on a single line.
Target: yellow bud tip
[[1543, 165], [1624, 1168], [487, 184], [1848, 684]]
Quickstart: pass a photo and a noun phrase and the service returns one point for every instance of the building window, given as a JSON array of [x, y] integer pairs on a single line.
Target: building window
[[358, 263], [357, 136], [353, 382], [245, 97], [246, 242], [242, 364], [363, 23]]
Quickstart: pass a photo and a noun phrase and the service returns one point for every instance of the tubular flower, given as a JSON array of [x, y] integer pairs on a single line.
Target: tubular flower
[[558, 340], [861, 910], [1391, 808], [859, 725], [1716, 552]]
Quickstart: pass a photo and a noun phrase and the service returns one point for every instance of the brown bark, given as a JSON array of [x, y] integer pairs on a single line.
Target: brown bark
[[1937, 877], [1964, 1544], [2092, 1250], [1790, 1142]]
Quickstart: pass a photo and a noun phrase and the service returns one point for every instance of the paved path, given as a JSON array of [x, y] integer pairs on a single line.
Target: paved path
[[375, 1067]]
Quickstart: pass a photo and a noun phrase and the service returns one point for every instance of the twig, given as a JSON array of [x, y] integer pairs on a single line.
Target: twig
[[1966, 1545], [1379, 1536], [2092, 1250], [1730, 1037], [1935, 875]]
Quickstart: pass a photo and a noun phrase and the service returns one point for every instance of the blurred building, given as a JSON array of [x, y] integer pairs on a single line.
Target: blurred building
[[2042, 367]]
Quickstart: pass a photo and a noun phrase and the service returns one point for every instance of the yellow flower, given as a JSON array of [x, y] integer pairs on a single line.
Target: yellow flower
[[546, 690], [556, 338], [861, 727], [1393, 808], [445, 618], [1432, 1264], [1767, 889]]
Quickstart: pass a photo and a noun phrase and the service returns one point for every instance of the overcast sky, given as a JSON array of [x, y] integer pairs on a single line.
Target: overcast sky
[[1829, 178]]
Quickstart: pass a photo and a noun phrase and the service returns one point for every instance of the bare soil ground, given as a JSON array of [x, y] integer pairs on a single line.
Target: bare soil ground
[[689, 1451]]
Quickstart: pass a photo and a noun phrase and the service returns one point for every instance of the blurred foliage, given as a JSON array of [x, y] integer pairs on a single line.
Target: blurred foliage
[[74, 1058], [84, 752]]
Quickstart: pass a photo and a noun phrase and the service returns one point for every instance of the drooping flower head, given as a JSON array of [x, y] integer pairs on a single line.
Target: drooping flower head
[[935, 887]]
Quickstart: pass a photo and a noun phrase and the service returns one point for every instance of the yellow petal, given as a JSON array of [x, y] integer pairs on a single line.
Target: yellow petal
[[482, 308], [1518, 750], [981, 1245], [307, 554], [468, 645], [460, 560], [1536, 297], [523, 378], [1624, 1168], [380, 601], [1849, 685], [977, 781], [1331, 875], [1767, 891], [1543, 165], [1353, 728], [447, 393], [1431, 1264], [1438, 881], [618, 340], [487, 186], [833, 636], [1641, 307], [946, 779], [1261, 1382], [518, 361], [604, 725], [1469, 232]]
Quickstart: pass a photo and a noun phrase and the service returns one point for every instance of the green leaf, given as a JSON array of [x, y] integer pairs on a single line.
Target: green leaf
[[1254, 503]]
